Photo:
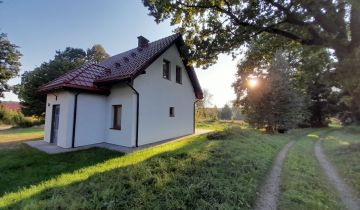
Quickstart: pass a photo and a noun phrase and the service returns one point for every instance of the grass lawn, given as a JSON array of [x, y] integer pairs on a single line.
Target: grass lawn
[[194, 173], [342, 147], [20, 134], [304, 186]]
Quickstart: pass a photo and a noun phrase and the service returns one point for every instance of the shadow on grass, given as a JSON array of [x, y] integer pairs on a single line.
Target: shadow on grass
[[66, 178], [24, 166]]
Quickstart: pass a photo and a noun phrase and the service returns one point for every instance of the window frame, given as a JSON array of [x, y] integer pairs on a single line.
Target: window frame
[[178, 70], [172, 111], [168, 64], [116, 123]]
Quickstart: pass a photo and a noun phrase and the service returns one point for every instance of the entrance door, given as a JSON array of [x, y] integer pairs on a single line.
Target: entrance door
[[55, 123]]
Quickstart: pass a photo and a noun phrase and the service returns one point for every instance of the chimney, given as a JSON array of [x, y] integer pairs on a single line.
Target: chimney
[[142, 41]]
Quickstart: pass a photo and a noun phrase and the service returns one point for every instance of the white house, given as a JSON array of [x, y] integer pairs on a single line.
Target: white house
[[137, 97]]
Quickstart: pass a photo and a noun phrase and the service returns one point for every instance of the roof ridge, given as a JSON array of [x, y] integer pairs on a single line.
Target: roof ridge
[[175, 34]]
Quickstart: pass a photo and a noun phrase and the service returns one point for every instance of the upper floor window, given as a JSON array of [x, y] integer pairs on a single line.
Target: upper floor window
[[117, 117], [166, 69], [178, 75], [172, 112]]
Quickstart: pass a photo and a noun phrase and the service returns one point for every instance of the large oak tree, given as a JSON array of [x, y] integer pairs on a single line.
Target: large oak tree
[[212, 27]]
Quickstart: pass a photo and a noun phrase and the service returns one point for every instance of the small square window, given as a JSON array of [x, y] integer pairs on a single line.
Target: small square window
[[166, 69], [178, 75], [117, 117], [172, 112]]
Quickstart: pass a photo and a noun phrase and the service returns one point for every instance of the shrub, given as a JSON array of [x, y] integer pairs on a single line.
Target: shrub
[[15, 118]]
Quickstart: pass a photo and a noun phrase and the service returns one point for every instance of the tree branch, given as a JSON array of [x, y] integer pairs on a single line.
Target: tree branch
[[270, 29]]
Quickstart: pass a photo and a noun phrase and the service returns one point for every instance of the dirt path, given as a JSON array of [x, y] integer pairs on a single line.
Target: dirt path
[[267, 199], [344, 191]]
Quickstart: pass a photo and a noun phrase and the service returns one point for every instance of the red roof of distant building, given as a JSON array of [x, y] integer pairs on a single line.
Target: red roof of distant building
[[13, 105], [124, 66]]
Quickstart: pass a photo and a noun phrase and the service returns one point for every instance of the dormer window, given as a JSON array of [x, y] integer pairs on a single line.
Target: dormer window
[[166, 69]]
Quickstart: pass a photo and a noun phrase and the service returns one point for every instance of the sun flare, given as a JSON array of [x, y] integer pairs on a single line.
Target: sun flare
[[253, 82]]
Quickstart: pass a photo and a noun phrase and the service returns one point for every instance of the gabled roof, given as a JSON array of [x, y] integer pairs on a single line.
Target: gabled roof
[[125, 66]]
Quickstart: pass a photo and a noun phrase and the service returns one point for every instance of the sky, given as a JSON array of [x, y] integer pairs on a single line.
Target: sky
[[40, 27]]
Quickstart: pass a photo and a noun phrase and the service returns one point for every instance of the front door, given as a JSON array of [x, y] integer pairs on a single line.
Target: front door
[[55, 124]]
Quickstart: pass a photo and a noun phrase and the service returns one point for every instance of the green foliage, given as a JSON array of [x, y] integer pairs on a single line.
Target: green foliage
[[348, 75], [237, 113], [274, 103], [96, 54], [15, 118], [203, 112], [9, 62], [213, 27], [224, 26], [10, 117], [312, 74], [225, 113], [34, 103]]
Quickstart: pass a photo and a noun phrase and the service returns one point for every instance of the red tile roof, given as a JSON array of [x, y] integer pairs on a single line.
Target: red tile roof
[[124, 66], [13, 105], [81, 78]]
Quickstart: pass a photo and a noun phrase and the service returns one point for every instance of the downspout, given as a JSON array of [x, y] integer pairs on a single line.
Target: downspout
[[137, 115], [74, 120]]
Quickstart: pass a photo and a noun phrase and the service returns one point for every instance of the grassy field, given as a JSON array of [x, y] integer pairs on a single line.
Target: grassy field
[[342, 146], [222, 170], [192, 173], [304, 186], [20, 134]]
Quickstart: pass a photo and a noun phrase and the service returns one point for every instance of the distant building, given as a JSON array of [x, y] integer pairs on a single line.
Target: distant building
[[13, 105]]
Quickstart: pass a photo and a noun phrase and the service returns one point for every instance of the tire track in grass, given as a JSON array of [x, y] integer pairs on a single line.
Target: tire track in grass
[[267, 199], [304, 185], [344, 191]]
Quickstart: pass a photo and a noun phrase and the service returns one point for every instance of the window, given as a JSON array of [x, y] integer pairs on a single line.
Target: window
[[166, 69], [117, 117], [178, 75], [172, 112]]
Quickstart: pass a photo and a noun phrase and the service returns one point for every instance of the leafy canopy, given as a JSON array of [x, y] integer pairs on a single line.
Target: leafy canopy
[[9, 62], [274, 103], [222, 26]]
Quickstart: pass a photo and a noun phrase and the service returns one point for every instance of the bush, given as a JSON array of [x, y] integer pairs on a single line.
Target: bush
[[230, 133], [15, 118]]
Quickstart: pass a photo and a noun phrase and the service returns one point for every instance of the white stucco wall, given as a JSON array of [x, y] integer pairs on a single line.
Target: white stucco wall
[[157, 95], [66, 101], [121, 95], [91, 119]]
